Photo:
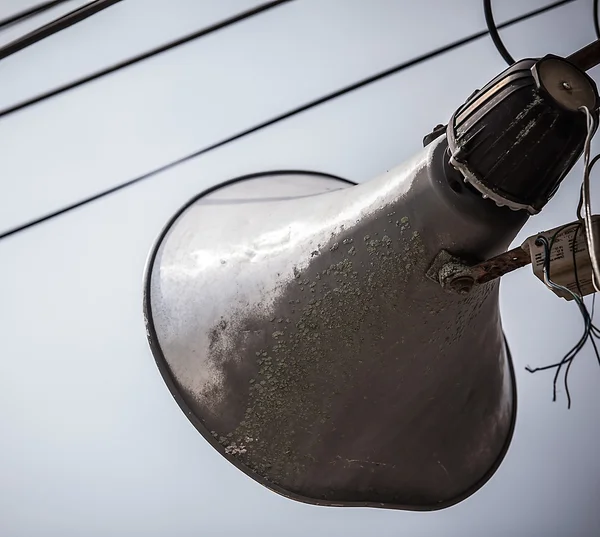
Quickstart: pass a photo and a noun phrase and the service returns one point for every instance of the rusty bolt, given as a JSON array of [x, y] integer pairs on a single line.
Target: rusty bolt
[[456, 277], [461, 285]]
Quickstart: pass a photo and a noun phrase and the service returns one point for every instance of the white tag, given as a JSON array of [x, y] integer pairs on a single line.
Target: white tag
[[562, 263]]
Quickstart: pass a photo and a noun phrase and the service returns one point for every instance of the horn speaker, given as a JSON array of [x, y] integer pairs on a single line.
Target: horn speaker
[[296, 321]]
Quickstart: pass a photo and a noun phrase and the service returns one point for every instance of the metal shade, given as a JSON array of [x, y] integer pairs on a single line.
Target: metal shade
[[291, 316]]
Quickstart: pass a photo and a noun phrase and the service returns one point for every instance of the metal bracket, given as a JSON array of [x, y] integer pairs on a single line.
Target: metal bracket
[[456, 276]]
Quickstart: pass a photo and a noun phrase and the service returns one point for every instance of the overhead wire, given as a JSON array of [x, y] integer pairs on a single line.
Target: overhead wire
[[276, 119], [497, 40], [55, 26], [30, 12], [494, 34], [239, 17]]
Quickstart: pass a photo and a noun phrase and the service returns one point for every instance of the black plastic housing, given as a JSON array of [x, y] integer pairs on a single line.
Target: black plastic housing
[[517, 138]]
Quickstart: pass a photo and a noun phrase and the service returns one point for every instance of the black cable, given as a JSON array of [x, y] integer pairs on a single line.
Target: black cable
[[144, 56], [568, 358], [593, 327], [55, 26], [493, 30], [32, 11], [588, 317], [597, 332], [312, 104], [590, 330], [596, 21], [264, 7]]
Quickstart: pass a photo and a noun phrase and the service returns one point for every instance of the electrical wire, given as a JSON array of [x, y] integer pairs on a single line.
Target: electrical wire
[[585, 200], [493, 30], [590, 330], [244, 15], [237, 18], [31, 12], [596, 330], [497, 40], [55, 26], [246, 132]]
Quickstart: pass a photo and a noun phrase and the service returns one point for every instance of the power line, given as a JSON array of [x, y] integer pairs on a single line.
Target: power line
[[493, 30], [55, 26], [497, 40], [362, 83], [141, 57], [32, 11]]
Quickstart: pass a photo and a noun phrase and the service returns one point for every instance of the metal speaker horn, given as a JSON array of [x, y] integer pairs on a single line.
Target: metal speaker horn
[[320, 334], [293, 319]]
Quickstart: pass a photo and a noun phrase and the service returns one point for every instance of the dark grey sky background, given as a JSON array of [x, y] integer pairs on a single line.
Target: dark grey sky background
[[92, 443]]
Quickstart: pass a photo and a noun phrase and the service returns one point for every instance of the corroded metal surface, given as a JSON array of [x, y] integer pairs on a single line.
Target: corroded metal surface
[[293, 320], [458, 276], [501, 264]]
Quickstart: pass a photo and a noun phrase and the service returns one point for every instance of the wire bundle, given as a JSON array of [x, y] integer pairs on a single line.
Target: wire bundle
[[585, 221], [53, 27], [590, 330]]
